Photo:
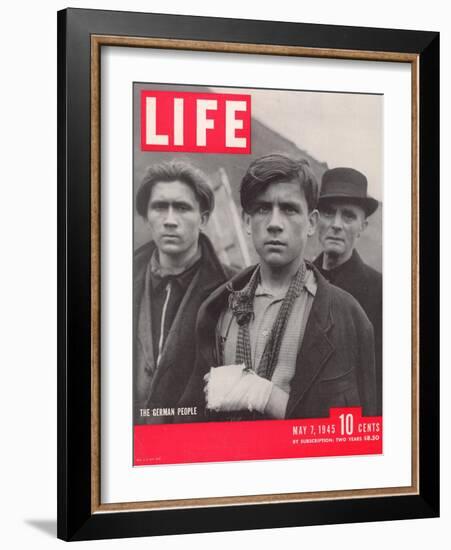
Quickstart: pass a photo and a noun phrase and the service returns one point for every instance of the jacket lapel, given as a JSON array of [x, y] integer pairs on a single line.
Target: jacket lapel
[[144, 318], [170, 348], [348, 276], [316, 346], [210, 276], [209, 315]]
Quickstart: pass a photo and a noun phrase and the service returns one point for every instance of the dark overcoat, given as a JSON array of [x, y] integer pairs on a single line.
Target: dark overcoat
[[165, 387], [365, 284], [335, 366]]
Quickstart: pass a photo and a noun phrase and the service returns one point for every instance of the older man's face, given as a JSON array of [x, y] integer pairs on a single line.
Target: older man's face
[[340, 225], [175, 219]]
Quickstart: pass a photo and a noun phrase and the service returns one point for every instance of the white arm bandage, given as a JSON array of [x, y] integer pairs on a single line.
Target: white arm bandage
[[232, 388]]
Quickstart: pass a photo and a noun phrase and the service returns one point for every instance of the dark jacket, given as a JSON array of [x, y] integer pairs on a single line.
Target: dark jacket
[[164, 389], [334, 367], [365, 284]]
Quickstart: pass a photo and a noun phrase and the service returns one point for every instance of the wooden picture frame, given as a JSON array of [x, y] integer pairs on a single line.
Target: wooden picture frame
[[81, 36]]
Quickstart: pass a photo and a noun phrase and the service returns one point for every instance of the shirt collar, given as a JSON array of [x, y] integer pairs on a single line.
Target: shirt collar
[[350, 263], [310, 285], [160, 275]]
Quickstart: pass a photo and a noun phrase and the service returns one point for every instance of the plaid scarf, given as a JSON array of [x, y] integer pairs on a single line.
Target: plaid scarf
[[241, 303]]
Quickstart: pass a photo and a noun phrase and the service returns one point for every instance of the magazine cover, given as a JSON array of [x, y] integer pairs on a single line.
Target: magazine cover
[[257, 272]]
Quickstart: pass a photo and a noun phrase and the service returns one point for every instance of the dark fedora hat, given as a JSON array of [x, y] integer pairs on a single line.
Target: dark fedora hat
[[348, 185]]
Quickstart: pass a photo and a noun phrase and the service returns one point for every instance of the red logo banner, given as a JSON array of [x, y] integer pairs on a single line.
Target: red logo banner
[[193, 122]]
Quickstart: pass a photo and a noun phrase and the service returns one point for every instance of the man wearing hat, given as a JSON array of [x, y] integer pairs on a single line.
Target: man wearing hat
[[344, 208]]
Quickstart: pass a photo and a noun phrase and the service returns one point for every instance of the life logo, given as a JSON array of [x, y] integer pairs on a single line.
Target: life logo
[[193, 122]]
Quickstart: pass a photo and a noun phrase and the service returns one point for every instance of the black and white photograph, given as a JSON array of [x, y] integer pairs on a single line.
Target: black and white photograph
[[225, 259], [257, 274]]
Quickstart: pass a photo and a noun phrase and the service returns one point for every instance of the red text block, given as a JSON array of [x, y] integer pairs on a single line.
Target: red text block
[[193, 122], [345, 432]]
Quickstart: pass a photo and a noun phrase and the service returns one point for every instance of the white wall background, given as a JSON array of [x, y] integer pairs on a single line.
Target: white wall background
[[28, 273]]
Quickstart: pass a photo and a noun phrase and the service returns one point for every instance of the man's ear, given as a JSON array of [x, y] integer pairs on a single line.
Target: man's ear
[[363, 227], [247, 221], [313, 222], [204, 217]]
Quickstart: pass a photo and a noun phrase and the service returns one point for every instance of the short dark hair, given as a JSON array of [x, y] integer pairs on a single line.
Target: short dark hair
[[277, 168], [172, 171]]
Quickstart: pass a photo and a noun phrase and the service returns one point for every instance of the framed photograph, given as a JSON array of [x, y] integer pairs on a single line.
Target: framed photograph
[[248, 274]]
